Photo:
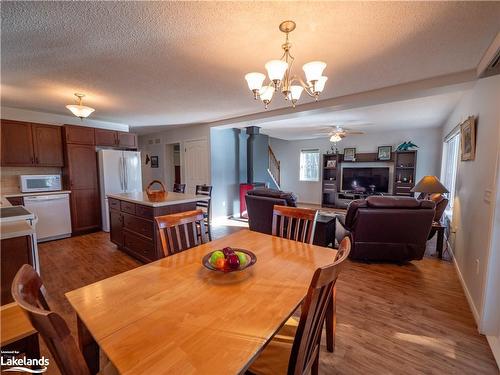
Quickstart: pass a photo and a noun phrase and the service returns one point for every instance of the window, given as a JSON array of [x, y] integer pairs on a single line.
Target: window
[[309, 165], [451, 149]]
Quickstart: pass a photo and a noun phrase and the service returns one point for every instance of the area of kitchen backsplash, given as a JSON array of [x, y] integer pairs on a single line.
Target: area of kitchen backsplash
[[9, 183]]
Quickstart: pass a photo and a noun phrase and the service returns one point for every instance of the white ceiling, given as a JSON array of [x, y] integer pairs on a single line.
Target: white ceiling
[[167, 63], [425, 112]]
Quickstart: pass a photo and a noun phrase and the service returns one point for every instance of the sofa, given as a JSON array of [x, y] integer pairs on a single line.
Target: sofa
[[260, 203], [387, 228]]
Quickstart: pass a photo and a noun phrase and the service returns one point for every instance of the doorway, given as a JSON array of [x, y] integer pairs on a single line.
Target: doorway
[[173, 173]]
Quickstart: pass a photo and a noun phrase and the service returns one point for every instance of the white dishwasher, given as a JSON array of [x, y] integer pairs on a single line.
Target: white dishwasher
[[52, 212]]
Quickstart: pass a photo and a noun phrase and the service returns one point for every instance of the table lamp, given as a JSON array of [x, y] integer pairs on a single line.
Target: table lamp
[[429, 185]]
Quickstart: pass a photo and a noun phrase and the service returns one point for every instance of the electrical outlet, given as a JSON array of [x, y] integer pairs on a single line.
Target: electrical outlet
[[477, 266], [487, 195]]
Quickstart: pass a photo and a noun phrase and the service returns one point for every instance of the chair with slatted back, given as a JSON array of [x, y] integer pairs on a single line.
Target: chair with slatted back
[[27, 291], [294, 223], [294, 350], [179, 188], [181, 231], [205, 206]]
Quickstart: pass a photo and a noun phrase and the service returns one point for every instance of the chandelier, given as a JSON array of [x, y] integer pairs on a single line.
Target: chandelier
[[80, 110], [282, 79]]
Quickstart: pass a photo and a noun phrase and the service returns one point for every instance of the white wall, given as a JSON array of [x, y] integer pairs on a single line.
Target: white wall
[[288, 153], [472, 213], [158, 147], [51, 118]]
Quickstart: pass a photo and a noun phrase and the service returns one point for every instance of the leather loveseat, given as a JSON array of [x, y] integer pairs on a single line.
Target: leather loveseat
[[260, 203], [387, 228]]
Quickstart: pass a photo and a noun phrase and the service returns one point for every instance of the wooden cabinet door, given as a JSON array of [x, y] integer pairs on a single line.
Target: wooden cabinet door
[[81, 165], [116, 227], [128, 140], [81, 135], [47, 141], [105, 137], [15, 252], [17, 144], [85, 210]]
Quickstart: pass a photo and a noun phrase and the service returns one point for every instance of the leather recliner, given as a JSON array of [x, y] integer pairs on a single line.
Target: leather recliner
[[387, 228], [260, 203]]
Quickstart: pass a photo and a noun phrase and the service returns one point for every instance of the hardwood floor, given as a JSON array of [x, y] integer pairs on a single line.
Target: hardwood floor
[[392, 319]]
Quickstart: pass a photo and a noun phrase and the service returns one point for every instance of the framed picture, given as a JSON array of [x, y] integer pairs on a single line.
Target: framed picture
[[384, 153], [349, 154], [154, 162], [331, 163], [468, 139]]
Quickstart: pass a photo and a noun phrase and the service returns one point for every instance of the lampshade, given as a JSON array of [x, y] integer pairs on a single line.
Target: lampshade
[[276, 69], [295, 92], [255, 80], [266, 93], [80, 110], [429, 185], [335, 138], [320, 84], [314, 70]]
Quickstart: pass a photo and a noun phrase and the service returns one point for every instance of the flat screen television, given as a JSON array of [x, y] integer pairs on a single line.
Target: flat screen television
[[370, 180]]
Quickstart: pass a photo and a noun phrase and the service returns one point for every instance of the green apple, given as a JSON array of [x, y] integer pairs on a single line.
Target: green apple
[[216, 255], [243, 258]]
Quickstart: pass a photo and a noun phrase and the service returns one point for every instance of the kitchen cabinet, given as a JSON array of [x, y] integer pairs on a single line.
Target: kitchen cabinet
[[26, 144], [115, 138], [15, 252], [80, 175], [82, 135], [116, 226]]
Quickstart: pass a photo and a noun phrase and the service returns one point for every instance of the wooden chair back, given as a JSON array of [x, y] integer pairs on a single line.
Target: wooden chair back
[[181, 231], [27, 290], [306, 345], [180, 188], [294, 223]]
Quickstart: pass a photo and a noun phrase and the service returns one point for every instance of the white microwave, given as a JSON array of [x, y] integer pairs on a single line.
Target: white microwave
[[40, 182]]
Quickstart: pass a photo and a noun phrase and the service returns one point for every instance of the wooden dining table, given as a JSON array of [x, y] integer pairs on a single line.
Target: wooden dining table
[[175, 316]]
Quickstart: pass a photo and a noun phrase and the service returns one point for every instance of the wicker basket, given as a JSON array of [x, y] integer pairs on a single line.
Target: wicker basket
[[156, 195]]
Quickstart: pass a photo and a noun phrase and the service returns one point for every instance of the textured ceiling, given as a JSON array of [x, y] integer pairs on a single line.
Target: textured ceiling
[[419, 113], [164, 63]]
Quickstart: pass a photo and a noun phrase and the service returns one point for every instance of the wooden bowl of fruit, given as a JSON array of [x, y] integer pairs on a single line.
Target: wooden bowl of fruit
[[229, 260]]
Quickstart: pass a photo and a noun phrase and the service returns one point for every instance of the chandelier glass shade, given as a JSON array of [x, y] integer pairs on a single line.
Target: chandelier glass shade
[[80, 110], [282, 79]]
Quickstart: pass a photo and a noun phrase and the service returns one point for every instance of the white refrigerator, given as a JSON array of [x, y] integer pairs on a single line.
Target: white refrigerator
[[119, 172]]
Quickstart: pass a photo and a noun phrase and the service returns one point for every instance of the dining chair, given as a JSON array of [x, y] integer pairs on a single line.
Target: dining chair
[[294, 223], [294, 350], [205, 206], [179, 188], [28, 291], [181, 231]]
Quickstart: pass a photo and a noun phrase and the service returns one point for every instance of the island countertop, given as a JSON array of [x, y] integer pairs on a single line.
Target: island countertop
[[171, 198]]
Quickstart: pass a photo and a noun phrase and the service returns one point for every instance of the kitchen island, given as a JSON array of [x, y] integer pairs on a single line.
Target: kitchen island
[[132, 225]]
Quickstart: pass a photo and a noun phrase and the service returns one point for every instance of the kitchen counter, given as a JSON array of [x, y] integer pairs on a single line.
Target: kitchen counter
[[171, 198], [12, 195]]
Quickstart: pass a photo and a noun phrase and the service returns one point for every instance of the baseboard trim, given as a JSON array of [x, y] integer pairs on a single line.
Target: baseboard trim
[[495, 348], [472, 306]]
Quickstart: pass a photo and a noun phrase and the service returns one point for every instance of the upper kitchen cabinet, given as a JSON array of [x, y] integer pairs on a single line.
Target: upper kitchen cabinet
[[115, 138], [31, 145], [80, 135], [128, 140]]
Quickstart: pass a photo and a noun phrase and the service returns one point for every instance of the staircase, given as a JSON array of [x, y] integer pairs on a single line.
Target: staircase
[[274, 168]]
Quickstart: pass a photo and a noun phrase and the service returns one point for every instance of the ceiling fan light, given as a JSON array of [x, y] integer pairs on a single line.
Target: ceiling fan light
[[320, 84], [295, 92], [335, 138], [266, 93], [276, 69], [255, 80], [80, 110], [314, 70]]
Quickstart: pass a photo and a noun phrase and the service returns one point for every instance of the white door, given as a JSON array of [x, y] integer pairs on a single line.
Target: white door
[[196, 168]]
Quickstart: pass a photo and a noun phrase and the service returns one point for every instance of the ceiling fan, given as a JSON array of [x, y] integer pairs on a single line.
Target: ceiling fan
[[337, 133]]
